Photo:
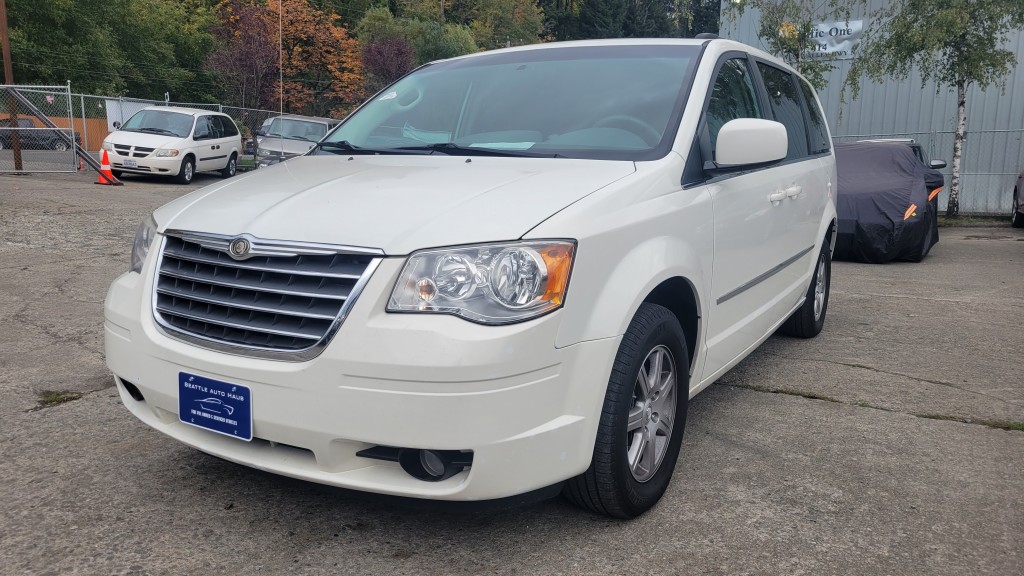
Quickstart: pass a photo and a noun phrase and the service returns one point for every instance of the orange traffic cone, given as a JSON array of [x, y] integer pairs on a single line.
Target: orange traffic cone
[[105, 176]]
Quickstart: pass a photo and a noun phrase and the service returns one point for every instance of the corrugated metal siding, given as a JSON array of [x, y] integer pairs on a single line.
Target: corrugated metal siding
[[994, 150]]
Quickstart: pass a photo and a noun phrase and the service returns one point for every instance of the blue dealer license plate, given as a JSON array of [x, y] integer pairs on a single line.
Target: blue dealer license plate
[[218, 406]]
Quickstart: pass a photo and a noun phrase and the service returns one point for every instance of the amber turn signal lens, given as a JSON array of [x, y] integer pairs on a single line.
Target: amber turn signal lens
[[558, 260]]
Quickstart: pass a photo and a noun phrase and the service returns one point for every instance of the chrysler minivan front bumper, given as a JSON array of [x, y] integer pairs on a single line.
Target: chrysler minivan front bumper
[[525, 410]]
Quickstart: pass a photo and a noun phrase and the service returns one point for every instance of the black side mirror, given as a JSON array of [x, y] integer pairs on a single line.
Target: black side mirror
[[117, 125]]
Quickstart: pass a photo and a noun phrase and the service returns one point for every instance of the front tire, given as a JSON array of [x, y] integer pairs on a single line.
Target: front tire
[[641, 427], [187, 172], [809, 319], [1016, 218]]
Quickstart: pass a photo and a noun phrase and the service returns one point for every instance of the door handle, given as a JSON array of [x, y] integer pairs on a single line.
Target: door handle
[[794, 191], [777, 196]]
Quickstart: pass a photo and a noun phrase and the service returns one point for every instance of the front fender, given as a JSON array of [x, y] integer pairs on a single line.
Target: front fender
[[615, 287]]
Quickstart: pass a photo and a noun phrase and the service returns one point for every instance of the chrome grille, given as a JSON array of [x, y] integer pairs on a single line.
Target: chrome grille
[[285, 301], [133, 151]]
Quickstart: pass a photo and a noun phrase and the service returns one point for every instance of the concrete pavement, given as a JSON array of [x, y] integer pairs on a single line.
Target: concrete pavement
[[847, 454]]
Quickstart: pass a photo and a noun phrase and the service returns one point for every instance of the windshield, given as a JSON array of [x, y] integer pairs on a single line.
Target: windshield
[[608, 102], [295, 129], [160, 122]]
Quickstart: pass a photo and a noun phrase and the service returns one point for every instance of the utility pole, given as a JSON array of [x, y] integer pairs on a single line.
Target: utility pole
[[5, 40], [5, 45]]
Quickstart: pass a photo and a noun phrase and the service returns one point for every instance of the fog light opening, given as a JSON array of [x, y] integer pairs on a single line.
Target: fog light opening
[[132, 390], [428, 465]]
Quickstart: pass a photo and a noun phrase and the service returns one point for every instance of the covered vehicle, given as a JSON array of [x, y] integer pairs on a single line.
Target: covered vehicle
[[887, 202]]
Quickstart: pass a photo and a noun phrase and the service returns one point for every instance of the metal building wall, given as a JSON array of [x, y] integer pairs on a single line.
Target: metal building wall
[[993, 151]]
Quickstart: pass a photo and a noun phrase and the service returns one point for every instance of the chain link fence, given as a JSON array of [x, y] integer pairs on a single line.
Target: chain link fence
[[991, 161], [27, 144], [103, 114]]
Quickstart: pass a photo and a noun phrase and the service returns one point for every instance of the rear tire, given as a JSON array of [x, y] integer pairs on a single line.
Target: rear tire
[[60, 146], [1016, 218], [809, 319], [187, 172], [641, 427], [232, 167], [117, 173]]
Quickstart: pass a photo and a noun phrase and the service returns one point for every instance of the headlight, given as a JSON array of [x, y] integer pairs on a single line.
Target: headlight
[[166, 153], [107, 146], [144, 236], [490, 284]]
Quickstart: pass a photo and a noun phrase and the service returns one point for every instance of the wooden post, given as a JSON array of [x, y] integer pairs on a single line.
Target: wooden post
[[5, 46]]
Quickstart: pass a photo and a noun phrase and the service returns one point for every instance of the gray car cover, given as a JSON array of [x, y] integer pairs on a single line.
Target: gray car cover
[[887, 202]]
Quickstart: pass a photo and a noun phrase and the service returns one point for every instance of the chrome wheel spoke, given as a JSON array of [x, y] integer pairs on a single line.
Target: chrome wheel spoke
[[643, 380], [650, 454], [654, 374], [636, 418], [665, 425], [639, 448]]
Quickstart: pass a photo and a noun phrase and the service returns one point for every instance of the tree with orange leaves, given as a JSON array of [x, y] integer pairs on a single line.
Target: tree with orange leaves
[[323, 69], [321, 64]]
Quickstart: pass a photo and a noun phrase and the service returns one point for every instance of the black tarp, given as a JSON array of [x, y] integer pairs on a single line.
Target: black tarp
[[882, 198]]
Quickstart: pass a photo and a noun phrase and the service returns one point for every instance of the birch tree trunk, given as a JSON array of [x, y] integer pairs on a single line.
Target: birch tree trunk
[[953, 205]]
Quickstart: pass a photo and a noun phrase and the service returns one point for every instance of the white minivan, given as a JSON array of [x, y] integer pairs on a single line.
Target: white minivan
[[504, 275], [177, 142]]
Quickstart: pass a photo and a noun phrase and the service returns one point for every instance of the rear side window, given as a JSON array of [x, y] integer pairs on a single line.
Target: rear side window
[[785, 106], [732, 97], [819, 142], [228, 126], [216, 128]]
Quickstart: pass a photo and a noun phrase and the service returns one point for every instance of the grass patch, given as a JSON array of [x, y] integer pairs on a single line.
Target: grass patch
[[48, 398]]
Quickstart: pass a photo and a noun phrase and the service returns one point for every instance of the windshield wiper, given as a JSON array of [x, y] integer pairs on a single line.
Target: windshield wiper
[[453, 149], [342, 146], [287, 137], [157, 131]]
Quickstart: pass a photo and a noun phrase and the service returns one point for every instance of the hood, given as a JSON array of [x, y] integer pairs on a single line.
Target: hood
[[142, 139], [394, 203], [289, 146]]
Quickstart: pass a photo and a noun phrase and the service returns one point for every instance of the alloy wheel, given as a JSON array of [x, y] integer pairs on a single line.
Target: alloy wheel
[[819, 288], [652, 415]]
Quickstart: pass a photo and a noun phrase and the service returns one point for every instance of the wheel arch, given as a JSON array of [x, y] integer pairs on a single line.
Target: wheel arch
[[679, 296]]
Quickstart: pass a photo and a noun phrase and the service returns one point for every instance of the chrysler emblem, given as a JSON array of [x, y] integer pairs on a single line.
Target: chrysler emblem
[[239, 248]]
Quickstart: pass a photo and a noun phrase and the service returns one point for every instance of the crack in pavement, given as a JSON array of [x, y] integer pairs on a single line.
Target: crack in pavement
[[908, 376], [994, 424]]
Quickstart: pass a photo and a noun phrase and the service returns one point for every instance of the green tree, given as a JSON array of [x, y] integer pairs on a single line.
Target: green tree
[[602, 18], [786, 27], [136, 47], [430, 39], [956, 43], [648, 19]]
